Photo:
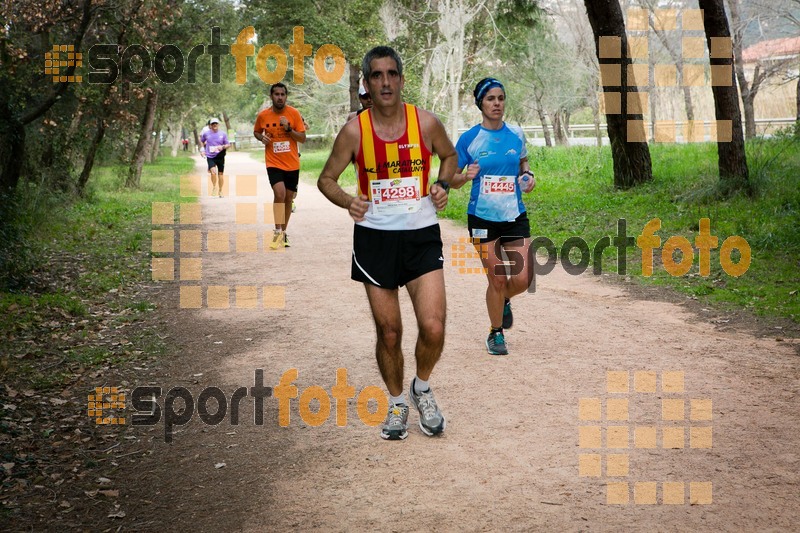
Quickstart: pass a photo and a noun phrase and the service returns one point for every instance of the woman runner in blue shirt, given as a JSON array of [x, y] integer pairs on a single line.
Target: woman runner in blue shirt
[[494, 157]]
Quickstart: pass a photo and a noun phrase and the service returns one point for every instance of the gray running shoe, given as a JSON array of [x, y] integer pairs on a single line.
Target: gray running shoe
[[431, 420], [508, 316], [496, 343], [395, 427]]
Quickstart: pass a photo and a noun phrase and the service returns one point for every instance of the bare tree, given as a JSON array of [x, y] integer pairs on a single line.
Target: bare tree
[[761, 73], [632, 164], [140, 153]]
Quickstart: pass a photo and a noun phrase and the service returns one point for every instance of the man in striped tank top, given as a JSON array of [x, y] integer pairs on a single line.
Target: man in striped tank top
[[396, 239]]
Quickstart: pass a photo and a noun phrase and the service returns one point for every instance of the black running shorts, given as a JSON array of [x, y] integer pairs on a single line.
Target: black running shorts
[[488, 231], [217, 161], [290, 178], [390, 259]]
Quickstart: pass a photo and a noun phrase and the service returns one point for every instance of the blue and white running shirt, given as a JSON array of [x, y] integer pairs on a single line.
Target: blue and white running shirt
[[495, 194]]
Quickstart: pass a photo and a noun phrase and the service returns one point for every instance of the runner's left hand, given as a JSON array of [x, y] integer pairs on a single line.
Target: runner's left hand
[[439, 197]]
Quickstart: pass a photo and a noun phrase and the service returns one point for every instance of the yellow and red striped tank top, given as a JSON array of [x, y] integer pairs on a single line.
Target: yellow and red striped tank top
[[405, 157]]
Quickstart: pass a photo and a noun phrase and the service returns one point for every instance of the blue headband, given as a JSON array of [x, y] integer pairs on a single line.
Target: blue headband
[[483, 88]]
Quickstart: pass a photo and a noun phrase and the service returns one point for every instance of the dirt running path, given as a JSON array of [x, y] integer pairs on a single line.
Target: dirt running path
[[509, 459]]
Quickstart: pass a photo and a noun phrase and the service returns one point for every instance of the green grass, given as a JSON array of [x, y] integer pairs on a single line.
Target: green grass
[[88, 256], [574, 196]]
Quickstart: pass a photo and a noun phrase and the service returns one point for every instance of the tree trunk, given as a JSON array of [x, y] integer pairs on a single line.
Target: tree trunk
[[632, 164], [91, 152], [687, 100], [155, 146], [598, 134], [733, 172], [197, 144], [139, 154], [354, 72], [177, 140], [543, 119], [748, 93], [12, 148], [557, 132], [797, 102]]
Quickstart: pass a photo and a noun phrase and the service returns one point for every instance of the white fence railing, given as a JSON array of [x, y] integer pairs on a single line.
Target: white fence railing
[[579, 134]]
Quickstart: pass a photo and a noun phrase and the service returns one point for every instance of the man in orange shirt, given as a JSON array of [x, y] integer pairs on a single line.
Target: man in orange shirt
[[280, 128]]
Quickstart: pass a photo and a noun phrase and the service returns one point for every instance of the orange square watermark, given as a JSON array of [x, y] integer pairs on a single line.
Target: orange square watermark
[[162, 268], [694, 76], [218, 241], [610, 47], [106, 398], [246, 241], [665, 131], [644, 437], [590, 437], [672, 381], [672, 437], [644, 493], [190, 186], [638, 103], [617, 382], [665, 19], [274, 297], [636, 131], [218, 297], [246, 185], [246, 213], [721, 75], [700, 493], [191, 214], [617, 493], [694, 131], [191, 268], [638, 76], [191, 241], [610, 103], [644, 381], [692, 20], [673, 493], [163, 240], [638, 19], [589, 465], [589, 409], [191, 297], [638, 47], [617, 437], [693, 47], [617, 409], [246, 296], [617, 465], [163, 213]]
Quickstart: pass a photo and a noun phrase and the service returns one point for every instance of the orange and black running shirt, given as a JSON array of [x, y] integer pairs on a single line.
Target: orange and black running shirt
[[282, 152], [395, 176]]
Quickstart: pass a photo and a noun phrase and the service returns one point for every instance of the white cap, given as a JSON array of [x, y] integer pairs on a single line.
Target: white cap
[[213, 120], [361, 90]]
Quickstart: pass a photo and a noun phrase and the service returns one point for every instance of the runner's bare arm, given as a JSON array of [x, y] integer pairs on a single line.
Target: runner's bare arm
[[435, 138], [342, 154]]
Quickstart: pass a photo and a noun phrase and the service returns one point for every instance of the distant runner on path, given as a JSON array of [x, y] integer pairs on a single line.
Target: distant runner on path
[[280, 127]]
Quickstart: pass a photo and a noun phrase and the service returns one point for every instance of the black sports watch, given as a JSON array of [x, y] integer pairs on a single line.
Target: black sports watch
[[443, 184]]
